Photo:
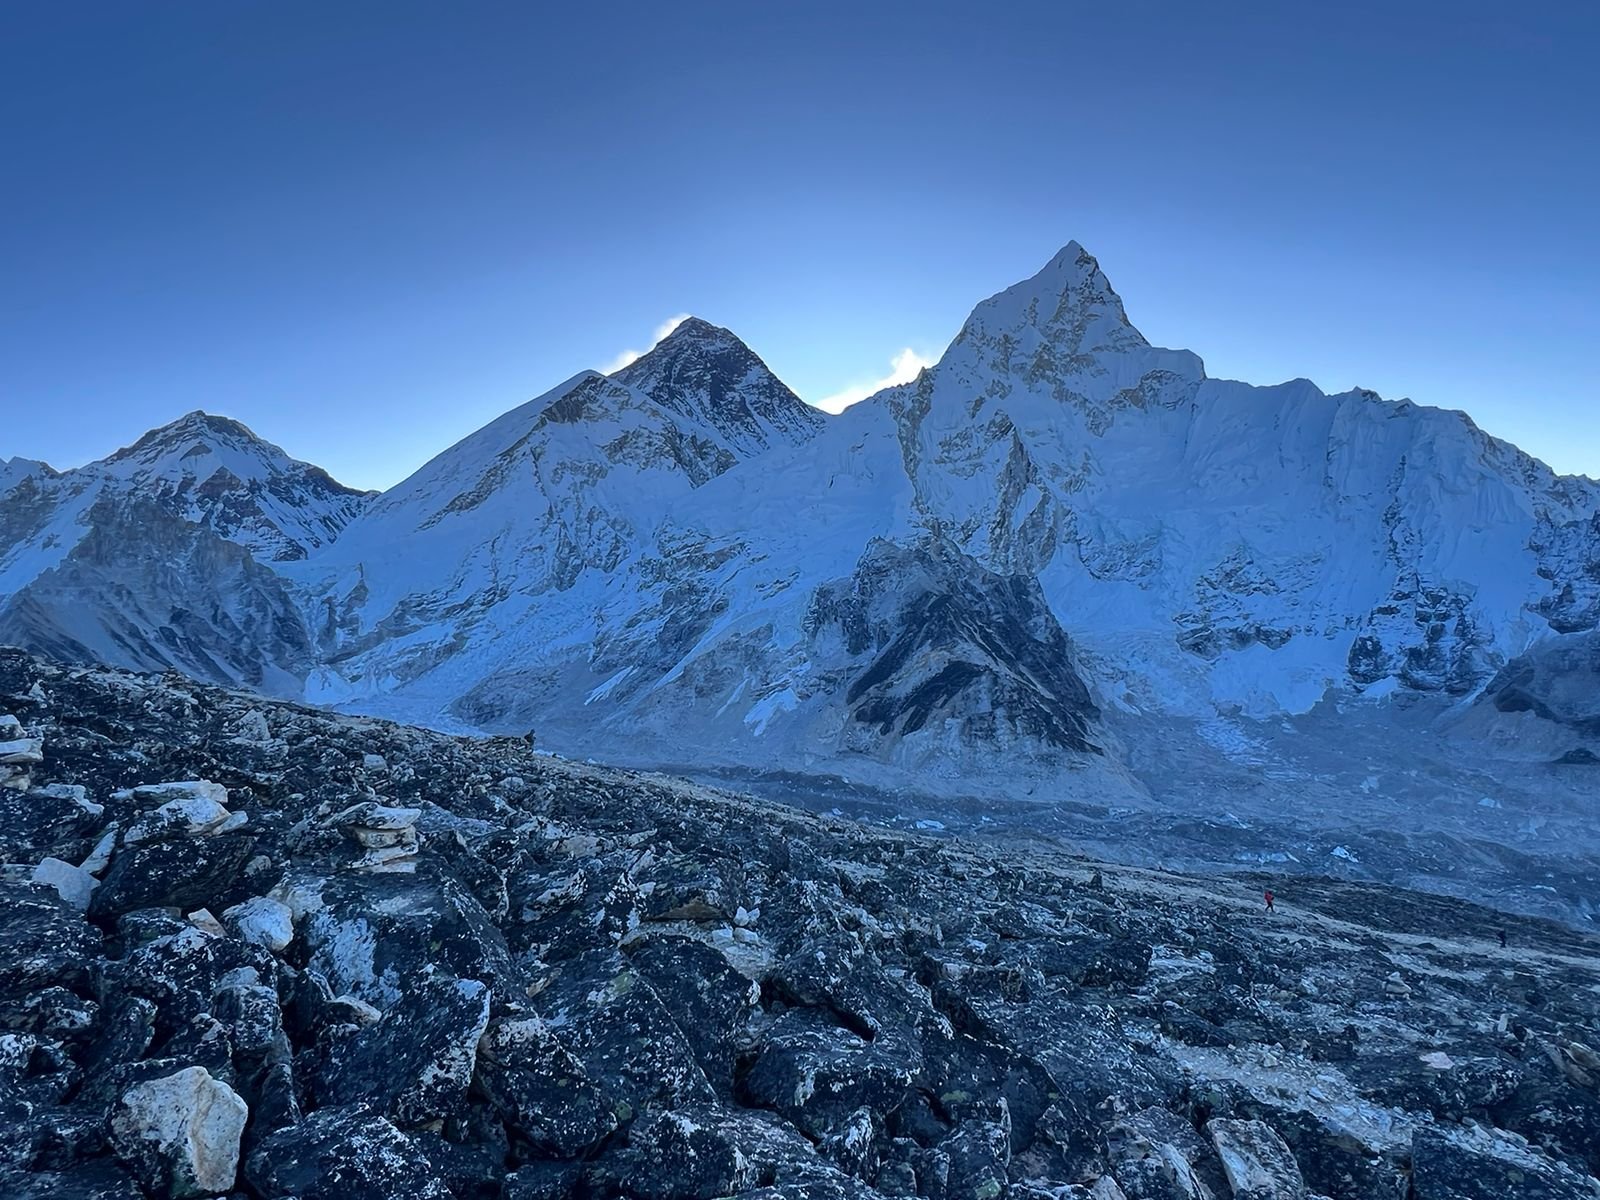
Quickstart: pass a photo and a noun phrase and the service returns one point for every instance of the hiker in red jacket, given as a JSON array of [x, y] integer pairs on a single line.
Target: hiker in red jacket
[[1269, 899]]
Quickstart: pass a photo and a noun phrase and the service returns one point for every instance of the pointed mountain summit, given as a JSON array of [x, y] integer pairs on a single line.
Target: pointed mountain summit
[[214, 471], [1065, 330], [164, 554], [706, 373]]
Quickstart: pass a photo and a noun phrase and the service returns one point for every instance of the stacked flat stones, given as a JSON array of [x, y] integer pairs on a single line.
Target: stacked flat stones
[[19, 754], [386, 835], [34, 813]]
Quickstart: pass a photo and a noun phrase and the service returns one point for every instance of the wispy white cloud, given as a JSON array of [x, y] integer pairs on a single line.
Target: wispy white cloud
[[631, 356], [903, 369]]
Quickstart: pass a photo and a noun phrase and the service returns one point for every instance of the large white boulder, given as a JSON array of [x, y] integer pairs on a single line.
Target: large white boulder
[[72, 884], [181, 1133], [262, 921]]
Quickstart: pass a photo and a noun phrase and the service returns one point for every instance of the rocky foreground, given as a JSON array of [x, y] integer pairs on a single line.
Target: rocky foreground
[[254, 950]]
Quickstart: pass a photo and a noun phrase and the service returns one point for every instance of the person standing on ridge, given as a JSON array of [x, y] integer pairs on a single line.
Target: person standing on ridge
[[1269, 900]]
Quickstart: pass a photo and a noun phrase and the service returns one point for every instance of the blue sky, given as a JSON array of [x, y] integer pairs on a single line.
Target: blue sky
[[366, 229]]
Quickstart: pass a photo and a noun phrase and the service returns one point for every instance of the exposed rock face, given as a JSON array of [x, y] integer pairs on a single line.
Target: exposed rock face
[[593, 985], [1258, 1164], [167, 593], [342, 1154], [963, 646], [704, 372], [1557, 681]]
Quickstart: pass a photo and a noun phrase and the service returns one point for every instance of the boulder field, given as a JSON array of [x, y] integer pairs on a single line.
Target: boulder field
[[254, 950]]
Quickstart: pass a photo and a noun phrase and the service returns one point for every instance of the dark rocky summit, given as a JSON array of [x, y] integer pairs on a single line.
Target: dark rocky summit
[[253, 950]]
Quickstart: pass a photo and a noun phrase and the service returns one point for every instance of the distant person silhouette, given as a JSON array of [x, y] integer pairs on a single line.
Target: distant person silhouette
[[1502, 939], [1269, 900]]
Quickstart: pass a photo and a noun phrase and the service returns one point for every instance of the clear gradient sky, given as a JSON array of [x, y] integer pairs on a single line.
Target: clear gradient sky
[[365, 229]]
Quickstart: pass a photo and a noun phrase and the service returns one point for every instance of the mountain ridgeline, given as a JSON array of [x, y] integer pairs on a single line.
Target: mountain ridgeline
[[1062, 581]]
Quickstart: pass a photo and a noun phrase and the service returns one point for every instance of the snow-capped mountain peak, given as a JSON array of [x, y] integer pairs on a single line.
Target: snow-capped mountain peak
[[215, 471], [168, 536], [196, 445], [1064, 335], [156, 555], [704, 372]]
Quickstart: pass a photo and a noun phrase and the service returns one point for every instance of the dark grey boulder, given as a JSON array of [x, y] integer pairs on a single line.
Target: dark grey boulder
[[183, 873], [342, 1153], [416, 1063], [253, 1016], [57, 821], [816, 1074], [470, 1165], [52, 1011], [700, 1152], [371, 934], [1157, 1155], [626, 1038], [542, 1181], [712, 1001], [125, 1033], [566, 906], [978, 1153], [274, 1102], [541, 1090], [1485, 1165], [183, 971], [1469, 1086], [98, 1180], [47, 942]]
